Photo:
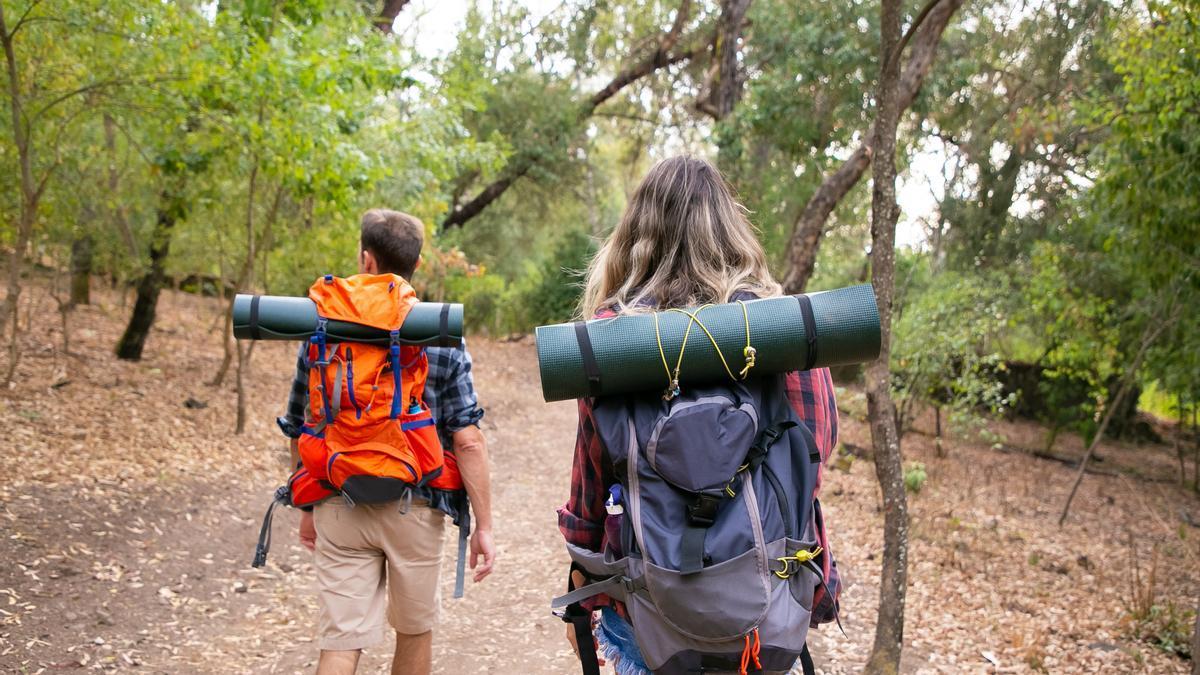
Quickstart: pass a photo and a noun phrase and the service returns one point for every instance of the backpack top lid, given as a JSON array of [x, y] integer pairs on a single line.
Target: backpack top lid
[[380, 301]]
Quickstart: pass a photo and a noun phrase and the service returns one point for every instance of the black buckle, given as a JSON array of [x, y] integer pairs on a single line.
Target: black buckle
[[771, 435], [703, 511]]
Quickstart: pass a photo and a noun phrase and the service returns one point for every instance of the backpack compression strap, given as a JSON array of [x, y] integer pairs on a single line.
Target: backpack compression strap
[[810, 330], [464, 531], [590, 367], [702, 512]]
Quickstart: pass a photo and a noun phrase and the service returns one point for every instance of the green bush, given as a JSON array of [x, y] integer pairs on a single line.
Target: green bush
[[549, 292], [915, 477]]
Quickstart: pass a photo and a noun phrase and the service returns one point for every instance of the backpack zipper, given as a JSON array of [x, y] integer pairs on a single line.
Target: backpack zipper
[[784, 511]]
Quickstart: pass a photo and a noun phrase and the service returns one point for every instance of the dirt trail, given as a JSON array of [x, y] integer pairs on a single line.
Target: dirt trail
[[129, 518]]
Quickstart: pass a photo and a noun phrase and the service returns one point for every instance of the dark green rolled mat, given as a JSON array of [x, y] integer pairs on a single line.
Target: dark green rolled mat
[[430, 324], [627, 358]]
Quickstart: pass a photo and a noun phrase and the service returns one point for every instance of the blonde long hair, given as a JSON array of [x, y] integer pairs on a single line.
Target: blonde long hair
[[682, 241]]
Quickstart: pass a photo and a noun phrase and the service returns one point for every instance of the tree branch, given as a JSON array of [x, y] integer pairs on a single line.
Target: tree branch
[[520, 163], [387, 17], [806, 237], [94, 86], [661, 57], [23, 19], [899, 50]]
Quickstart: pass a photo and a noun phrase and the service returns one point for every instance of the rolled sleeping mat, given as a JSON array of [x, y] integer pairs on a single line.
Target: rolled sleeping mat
[[788, 333], [274, 317]]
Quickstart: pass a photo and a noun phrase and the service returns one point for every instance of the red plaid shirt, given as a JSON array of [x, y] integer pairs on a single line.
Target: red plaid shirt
[[581, 519]]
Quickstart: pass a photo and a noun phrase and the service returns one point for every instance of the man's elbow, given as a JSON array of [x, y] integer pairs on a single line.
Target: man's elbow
[[469, 441]]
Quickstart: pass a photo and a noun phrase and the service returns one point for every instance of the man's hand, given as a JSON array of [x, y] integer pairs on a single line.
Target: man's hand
[[482, 545], [308, 530]]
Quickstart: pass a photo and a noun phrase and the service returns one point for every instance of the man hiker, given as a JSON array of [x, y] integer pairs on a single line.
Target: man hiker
[[359, 547]]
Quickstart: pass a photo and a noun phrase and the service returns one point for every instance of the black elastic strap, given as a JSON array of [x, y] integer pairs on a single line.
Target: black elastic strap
[[588, 660], [810, 329], [806, 662], [254, 332], [590, 367], [282, 496], [444, 326], [581, 621]]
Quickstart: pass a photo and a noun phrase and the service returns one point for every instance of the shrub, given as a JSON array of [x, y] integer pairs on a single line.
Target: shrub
[[914, 477]]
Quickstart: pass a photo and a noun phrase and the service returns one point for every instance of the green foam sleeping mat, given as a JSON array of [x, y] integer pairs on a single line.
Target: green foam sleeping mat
[[827, 328], [273, 317]]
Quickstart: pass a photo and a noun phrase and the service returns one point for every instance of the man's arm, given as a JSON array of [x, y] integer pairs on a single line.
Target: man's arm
[[290, 425], [458, 414], [470, 448]]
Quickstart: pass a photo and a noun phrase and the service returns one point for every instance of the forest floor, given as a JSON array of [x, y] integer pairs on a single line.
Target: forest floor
[[129, 512]]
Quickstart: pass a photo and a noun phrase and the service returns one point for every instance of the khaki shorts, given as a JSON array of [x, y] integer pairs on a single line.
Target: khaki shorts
[[373, 561]]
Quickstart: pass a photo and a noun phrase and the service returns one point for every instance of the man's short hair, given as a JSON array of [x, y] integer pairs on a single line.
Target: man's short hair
[[394, 239]]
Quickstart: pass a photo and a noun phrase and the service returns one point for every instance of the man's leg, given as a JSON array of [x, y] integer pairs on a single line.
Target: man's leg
[[414, 654], [350, 580], [338, 662], [413, 544]]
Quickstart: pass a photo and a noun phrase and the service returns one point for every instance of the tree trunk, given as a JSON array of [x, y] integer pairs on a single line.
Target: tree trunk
[[119, 215], [728, 90], [387, 17], [806, 236], [81, 269], [937, 430], [1196, 643], [150, 284], [29, 198], [242, 364], [889, 627], [1177, 441]]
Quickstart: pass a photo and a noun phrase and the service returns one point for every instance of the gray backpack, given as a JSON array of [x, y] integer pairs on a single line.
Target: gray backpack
[[718, 558]]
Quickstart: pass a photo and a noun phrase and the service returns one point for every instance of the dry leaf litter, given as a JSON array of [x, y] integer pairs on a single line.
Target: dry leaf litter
[[130, 511]]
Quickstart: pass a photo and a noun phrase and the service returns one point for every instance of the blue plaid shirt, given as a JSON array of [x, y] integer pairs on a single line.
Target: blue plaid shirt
[[449, 393]]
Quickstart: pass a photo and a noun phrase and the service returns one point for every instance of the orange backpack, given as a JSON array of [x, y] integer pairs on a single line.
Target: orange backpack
[[370, 437]]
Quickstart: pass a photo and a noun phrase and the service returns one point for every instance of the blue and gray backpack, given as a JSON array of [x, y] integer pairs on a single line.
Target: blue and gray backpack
[[719, 556]]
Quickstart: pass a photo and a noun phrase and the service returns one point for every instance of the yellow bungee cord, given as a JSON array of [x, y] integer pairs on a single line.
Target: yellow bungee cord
[[800, 557], [748, 353]]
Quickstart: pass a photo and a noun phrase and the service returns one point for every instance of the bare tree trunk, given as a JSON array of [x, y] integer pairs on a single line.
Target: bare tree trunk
[[1196, 643], [725, 93], [1177, 442], [81, 266], [937, 430], [520, 163], [29, 200], [1154, 328], [806, 236], [889, 628], [149, 286], [242, 364], [119, 215], [247, 280]]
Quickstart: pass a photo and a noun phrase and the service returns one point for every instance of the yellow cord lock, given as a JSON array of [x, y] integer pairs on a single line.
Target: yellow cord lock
[[791, 563]]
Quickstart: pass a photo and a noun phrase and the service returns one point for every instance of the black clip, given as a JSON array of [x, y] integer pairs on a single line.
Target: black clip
[[703, 511]]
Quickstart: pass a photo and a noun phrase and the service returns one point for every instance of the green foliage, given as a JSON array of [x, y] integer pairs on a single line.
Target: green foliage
[[947, 341], [914, 477], [550, 293], [1145, 201]]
